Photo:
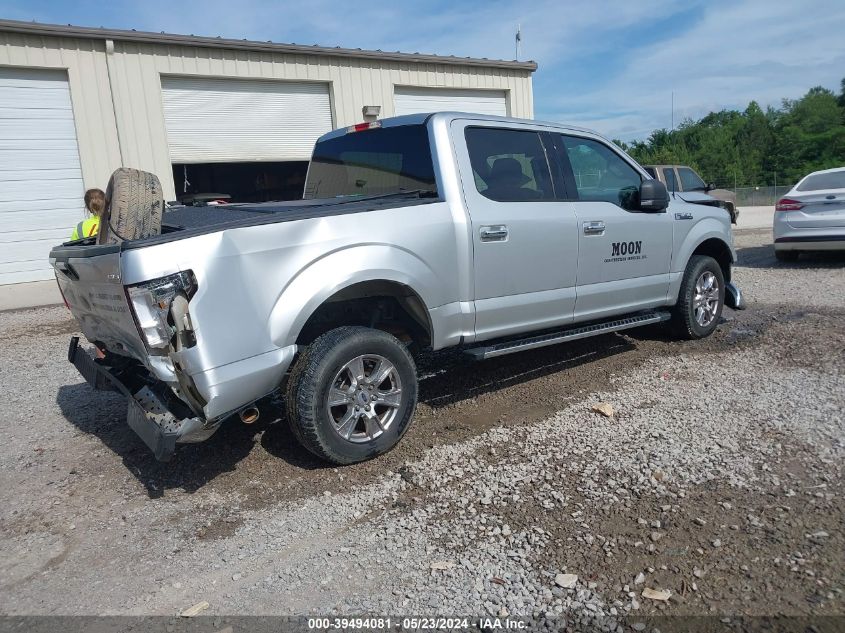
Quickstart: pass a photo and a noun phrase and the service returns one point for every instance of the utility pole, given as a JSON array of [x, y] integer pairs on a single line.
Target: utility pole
[[518, 39], [673, 110]]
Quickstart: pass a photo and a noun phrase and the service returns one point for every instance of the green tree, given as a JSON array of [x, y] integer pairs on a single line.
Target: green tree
[[810, 134], [754, 147]]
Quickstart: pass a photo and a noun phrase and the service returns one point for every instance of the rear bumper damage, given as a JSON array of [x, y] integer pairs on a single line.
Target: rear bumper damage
[[153, 412]]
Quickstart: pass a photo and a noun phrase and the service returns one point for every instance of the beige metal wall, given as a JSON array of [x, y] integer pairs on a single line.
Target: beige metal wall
[[85, 63], [126, 118]]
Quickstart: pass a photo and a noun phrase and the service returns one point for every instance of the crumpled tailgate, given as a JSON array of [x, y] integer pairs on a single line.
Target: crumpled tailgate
[[89, 278]]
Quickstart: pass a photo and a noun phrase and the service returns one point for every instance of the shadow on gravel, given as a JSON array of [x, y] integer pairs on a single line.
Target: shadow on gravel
[[103, 415], [764, 257], [446, 378]]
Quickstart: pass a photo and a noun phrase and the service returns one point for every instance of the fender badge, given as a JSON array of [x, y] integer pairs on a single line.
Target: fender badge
[[113, 276]]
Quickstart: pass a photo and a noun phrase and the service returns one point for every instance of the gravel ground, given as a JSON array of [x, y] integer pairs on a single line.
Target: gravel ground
[[717, 481]]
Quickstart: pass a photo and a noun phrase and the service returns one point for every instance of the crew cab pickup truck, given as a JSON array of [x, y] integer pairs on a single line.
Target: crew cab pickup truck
[[492, 234], [685, 183]]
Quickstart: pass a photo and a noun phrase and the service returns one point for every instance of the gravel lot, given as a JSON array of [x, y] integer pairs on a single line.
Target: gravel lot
[[718, 480]]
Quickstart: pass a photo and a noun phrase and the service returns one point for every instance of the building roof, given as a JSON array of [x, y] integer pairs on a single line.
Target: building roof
[[58, 30]]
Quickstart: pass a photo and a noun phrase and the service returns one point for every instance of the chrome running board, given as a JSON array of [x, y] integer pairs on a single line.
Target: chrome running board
[[571, 334]]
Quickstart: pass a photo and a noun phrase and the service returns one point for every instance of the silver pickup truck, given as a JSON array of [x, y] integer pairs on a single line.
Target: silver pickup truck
[[433, 231]]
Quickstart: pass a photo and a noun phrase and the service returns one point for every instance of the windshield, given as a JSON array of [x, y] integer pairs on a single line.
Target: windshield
[[822, 182], [373, 162], [690, 180]]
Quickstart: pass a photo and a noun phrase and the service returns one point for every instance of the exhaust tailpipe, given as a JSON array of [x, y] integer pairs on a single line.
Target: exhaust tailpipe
[[249, 414]]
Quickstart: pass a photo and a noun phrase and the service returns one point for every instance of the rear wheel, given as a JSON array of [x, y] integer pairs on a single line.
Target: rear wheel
[[700, 299], [786, 256], [134, 205], [351, 394]]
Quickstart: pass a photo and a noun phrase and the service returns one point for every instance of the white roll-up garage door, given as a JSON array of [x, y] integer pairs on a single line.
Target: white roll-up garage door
[[409, 100], [229, 120], [40, 175]]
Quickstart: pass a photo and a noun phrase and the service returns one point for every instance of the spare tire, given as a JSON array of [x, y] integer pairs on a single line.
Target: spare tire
[[134, 204]]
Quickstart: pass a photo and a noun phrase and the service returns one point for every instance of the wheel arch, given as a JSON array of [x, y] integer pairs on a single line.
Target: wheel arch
[[707, 237], [719, 250], [382, 304], [365, 275]]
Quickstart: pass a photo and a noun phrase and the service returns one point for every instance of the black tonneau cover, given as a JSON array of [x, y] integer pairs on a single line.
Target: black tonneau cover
[[189, 217], [181, 222]]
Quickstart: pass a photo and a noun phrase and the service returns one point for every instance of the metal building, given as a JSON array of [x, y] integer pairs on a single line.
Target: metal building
[[204, 114]]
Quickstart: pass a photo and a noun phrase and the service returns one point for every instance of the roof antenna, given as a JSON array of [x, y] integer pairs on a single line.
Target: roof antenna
[[518, 39]]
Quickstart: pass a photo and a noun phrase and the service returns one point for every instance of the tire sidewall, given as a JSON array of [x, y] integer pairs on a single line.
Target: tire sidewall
[[697, 268], [323, 375]]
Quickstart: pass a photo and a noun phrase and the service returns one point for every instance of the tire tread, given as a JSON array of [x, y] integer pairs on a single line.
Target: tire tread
[[135, 204], [682, 322], [303, 384]]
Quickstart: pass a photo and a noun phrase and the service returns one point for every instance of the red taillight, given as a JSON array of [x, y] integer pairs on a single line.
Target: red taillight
[[360, 127], [788, 204]]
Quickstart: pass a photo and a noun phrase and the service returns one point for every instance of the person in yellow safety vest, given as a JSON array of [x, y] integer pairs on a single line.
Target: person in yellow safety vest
[[95, 203]]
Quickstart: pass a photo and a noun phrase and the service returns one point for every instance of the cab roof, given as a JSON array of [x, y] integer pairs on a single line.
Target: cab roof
[[449, 116]]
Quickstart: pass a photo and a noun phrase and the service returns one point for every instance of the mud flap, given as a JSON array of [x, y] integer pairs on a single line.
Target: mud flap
[[87, 367], [148, 412], [154, 424], [733, 297]]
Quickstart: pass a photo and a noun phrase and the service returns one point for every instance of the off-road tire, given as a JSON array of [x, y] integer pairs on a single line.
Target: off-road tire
[[134, 206], [312, 376], [683, 323], [787, 256]]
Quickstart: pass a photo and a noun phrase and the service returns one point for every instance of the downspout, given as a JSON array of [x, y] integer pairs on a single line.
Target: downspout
[[110, 71]]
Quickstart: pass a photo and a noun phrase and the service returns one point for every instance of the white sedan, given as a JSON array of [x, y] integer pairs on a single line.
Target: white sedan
[[811, 216]]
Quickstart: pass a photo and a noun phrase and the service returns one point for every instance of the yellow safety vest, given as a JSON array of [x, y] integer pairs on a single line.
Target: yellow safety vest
[[86, 228]]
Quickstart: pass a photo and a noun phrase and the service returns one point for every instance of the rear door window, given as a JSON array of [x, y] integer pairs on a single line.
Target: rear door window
[[509, 165]]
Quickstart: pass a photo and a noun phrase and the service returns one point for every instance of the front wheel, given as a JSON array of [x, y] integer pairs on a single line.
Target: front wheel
[[351, 394], [700, 299]]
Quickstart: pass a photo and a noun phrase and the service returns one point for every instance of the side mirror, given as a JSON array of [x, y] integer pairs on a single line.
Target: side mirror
[[653, 196], [710, 187]]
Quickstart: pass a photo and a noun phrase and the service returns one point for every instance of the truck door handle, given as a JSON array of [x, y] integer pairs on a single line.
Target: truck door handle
[[594, 228], [497, 233]]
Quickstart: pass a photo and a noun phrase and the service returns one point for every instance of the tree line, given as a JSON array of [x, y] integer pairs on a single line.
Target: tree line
[[777, 146]]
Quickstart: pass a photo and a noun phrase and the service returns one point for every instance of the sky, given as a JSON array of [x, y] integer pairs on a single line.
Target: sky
[[609, 65]]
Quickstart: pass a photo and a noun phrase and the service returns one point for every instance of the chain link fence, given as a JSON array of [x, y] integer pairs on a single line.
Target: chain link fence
[[759, 196]]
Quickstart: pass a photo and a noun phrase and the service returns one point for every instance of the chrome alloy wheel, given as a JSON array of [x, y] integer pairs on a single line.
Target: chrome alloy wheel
[[364, 398], [705, 302]]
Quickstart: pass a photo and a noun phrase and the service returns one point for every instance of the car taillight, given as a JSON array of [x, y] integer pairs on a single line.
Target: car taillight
[[150, 302], [788, 204]]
